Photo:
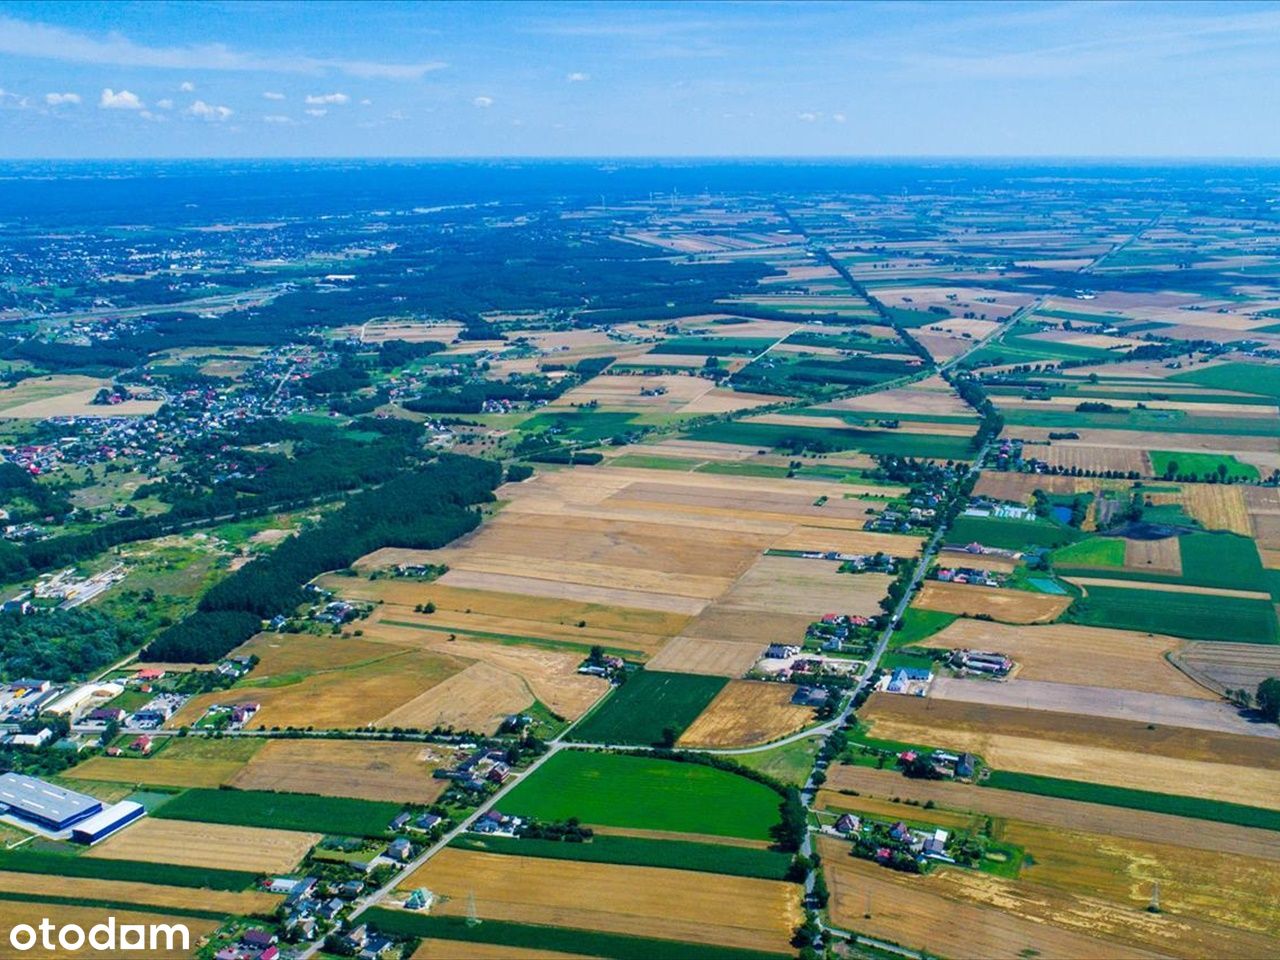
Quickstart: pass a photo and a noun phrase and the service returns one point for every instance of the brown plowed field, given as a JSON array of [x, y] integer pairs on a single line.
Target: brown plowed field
[[717, 658], [1229, 666], [1093, 656], [349, 768], [747, 712], [1008, 606], [1069, 814], [1157, 556], [1093, 750], [647, 901], [207, 845]]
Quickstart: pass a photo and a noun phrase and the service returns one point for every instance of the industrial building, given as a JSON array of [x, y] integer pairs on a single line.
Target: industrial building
[[43, 804], [102, 825]]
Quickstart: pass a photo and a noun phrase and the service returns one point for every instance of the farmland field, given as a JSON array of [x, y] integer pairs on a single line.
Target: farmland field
[[348, 768], [282, 811], [650, 901], [1192, 615], [747, 712], [1007, 606], [649, 703], [213, 845], [644, 852], [628, 791]]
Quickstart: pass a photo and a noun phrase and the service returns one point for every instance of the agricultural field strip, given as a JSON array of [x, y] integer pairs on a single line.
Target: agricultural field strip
[[1109, 702], [1157, 585]]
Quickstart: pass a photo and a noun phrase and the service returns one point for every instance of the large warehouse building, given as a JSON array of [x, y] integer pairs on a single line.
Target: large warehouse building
[[43, 804], [102, 825]]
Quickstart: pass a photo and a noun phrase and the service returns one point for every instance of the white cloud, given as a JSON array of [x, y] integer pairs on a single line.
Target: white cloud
[[366, 102], [207, 111], [165, 104], [58, 99], [839, 117], [124, 100], [577, 77], [277, 118], [23, 38], [148, 115], [187, 86], [316, 112], [13, 101], [482, 102], [317, 99], [272, 95], [397, 115], [807, 117]]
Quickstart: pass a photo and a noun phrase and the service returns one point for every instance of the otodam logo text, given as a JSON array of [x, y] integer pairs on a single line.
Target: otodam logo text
[[146, 939]]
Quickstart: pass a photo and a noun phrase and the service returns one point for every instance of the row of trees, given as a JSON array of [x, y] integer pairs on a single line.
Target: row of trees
[[424, 509]]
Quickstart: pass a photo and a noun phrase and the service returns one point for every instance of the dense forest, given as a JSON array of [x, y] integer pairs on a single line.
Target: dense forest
[[424, 509], [61, 644]]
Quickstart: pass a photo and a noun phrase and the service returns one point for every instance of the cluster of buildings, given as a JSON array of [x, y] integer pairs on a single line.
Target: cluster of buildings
[[999, 509], [939, 764], [478, 771], [970, 575], [23, 699], [981, 661], [835, 632], [909, 681], [229, 716], [252, 944], [495, 824], [60, 814]]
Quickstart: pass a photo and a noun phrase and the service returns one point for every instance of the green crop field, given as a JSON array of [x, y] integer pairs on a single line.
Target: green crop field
[[714, 346], [615, 790], [587, 426], [828, 439], [1222, 560], [590, 943], [284, 811], [1241, 377], [1093, 552], [917, 625], [1200, 465], [647, 704], [1179, 806], [790, 763], [173, 875], [1193, 615], [643, 852], [1010, 534]]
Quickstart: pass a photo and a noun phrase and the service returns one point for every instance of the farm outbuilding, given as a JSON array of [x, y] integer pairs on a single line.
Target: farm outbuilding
[[103, 824]]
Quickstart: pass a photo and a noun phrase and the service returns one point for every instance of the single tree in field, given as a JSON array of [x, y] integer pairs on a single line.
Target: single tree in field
[[669, 737], [1268, 699]]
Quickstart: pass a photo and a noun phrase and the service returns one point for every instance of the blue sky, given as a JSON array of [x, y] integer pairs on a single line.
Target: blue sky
[[585, 79]]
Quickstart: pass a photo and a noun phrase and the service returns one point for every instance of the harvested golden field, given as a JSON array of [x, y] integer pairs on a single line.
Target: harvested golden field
[[341, 697], [648, 901], [462, 950], [286, 654], [1226, 889], [65, 395], [14, 912], [806, 537], [891, 810], [478, 699], [1087, 582], [370, 770], [1098, 458], [719, 658], [720, 400], [1090, 749], [1018, 487], [747, 712], [548, 675], [661, 393], [1069, 814], [157, 771], [589, 593], [917, 913], [1217, 506], [512, 614], [128, 891], [214, 845], [1091, 656], [1157, 556], [1007, 606]]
